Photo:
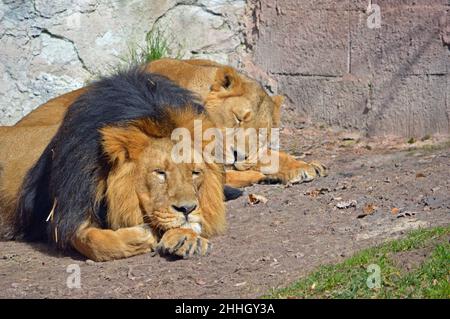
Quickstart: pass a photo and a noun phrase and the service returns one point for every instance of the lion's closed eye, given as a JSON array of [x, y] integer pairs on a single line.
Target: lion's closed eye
[[160, 174], [196, 173]]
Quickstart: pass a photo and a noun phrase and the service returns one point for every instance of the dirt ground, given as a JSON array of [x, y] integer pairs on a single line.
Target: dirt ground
[[389, 185]]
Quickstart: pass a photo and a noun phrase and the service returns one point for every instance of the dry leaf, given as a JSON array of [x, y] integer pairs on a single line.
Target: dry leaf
[[317, 191], [395, 211], [254, 199], [368, 209]]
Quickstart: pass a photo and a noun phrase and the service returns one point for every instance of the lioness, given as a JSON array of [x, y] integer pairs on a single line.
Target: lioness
[[231, 99]]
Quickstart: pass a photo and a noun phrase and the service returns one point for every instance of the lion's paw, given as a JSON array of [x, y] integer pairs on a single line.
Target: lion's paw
[[307, 172], [184, 243], [138, 239]]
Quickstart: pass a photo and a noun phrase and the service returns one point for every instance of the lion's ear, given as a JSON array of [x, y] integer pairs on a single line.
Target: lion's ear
[[227, 80], [276, 115], [123, 143]]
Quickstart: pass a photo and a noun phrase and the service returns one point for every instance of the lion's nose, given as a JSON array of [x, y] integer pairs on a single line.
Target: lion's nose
[[186, 209], [242, 115]]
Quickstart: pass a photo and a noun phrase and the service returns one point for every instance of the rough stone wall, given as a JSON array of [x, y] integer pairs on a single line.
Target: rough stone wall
[[335, 69], [51, 47], [320, 54]]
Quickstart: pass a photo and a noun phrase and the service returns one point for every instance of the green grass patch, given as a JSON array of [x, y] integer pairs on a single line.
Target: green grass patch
[[157, 45], [349, 279]]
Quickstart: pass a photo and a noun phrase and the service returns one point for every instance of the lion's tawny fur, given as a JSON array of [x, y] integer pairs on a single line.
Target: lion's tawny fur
[[98, 183]]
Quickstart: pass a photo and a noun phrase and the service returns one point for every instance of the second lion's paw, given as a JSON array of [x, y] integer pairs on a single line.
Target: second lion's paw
[[307, 172]]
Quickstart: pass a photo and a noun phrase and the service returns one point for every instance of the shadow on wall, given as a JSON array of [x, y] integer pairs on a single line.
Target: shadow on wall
[[335, 69], [390, 90]]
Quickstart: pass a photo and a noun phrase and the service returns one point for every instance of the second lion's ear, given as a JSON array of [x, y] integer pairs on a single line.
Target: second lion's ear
[[227, 80], [123, 144]]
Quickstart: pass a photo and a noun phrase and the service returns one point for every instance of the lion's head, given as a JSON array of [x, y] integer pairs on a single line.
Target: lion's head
[[145, 185], [231, 99]]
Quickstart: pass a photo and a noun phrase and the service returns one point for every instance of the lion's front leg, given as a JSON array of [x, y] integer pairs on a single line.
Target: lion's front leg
[[106, 244], [184, 243], [290, 170], [243, 178]]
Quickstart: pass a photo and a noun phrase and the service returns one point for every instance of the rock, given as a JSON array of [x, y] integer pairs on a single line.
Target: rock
[[435, 202], [48, 48], [351, 136], [239, 284], [346, 204]]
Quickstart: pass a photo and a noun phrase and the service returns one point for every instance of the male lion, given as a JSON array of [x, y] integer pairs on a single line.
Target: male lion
[[107, 184], [231, 99]]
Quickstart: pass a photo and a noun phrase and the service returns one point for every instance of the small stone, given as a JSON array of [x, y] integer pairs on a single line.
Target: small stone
[[346, 204], [200, 282], [351, 136]]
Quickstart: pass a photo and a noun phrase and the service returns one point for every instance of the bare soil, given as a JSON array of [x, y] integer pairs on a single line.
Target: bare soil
[[411, 260], [268, 245]]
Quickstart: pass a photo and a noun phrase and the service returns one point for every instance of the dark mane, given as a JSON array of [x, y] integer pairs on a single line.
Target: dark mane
[[66, 174]]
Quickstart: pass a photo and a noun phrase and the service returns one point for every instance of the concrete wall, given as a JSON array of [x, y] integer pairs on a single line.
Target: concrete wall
[[334, 68], [321, 54]]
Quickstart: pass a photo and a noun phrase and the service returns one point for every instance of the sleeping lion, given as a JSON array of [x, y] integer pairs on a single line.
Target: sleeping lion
[[106, 184], [231, 99]]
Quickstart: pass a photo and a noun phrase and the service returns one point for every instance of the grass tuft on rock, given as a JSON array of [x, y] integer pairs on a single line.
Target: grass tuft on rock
[[156, 46]]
